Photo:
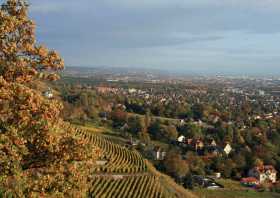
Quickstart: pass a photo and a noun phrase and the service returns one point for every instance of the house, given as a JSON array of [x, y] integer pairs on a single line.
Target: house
[[198, 123], [134, 142], [257, 117], [217, 175], [250, 182], [182, 122], [48, 93], [103, 116], [121, 106], [212, 142], [227, 148], [181, 138], [125, 127], [199, 145], [189, 141], [159, 154], [132, 90], [264, 173], [214, 151], [261, 92], [104, 90], [216, 119], [268, 116]]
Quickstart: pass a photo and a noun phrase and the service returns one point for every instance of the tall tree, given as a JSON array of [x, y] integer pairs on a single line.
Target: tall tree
[[21, 59], [32, 139]]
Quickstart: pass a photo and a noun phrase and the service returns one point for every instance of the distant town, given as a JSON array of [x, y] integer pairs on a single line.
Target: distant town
[[215, 127]]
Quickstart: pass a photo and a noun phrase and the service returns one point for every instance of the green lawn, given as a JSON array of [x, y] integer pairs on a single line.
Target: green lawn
[[172, 120], [227, 193], [233, 189], [93, 127]]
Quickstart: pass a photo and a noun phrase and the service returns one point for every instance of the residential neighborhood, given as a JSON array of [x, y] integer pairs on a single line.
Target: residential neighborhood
[[218, 128]]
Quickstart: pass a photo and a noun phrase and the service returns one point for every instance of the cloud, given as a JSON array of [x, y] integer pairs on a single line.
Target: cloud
[[271, 4], [46, 8], [162, 33], [54, 6]]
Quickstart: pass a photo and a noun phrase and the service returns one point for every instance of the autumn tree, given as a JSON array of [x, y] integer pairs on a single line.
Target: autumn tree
[[21, 59], [119, 118], [170, 132], [33, 141], [197, 165], [175, 165]]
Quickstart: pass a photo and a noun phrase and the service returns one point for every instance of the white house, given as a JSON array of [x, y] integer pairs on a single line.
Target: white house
[[132, 90], [159, 154], [227, 148], [212, 142], [264, 174], [181, 138], [182, 122]]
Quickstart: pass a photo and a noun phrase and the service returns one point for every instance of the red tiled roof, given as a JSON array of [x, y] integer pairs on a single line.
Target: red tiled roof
[[249, 179], [262, 169]]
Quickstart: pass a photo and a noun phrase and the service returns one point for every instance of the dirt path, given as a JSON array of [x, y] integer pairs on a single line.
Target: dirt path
[[120, 176]]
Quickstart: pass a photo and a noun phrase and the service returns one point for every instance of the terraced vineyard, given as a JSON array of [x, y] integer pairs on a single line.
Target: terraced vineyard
[[134, 187], [120, 159], [126, 174]]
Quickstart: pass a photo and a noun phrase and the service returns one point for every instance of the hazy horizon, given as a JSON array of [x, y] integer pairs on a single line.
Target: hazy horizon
[[199, 36], [180, 72]]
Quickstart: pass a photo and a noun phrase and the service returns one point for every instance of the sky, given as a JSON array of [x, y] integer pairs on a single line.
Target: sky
[[200, 36]]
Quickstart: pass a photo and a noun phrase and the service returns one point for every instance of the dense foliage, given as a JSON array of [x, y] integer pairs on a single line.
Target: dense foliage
[[37, 155]]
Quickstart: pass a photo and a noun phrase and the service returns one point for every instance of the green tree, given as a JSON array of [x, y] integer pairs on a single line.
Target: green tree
[[196, 164], [191, 130], [175, 165], [170, 132], [154, 128], [198, 110], [136, 125]]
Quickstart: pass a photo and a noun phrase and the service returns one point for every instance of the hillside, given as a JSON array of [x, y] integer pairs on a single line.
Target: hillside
[[126, 173]]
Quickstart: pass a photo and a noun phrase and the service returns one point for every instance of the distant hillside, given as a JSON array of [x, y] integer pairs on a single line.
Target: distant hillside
[[106, 71]]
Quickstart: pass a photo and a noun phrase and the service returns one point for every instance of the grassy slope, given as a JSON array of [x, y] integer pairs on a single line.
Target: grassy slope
[[167, 182]]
